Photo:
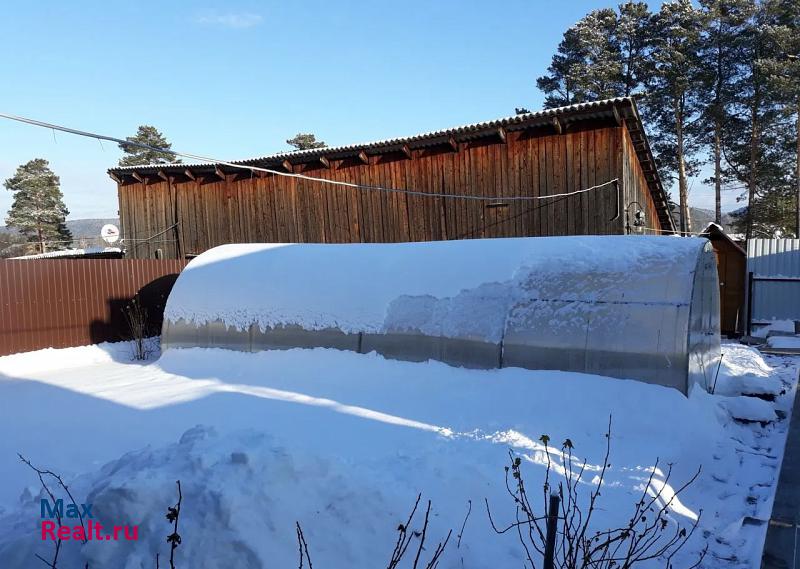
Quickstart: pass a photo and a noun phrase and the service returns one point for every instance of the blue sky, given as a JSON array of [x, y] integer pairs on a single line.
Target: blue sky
[[236, 79]]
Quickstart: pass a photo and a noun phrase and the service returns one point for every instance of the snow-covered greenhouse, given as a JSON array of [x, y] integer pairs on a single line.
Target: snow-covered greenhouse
[[633, 307]]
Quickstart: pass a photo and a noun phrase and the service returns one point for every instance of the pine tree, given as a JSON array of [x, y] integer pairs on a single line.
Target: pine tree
[[600, 57], [634, 38], [305, 141], [781, 67], [561, 85], [139, 156], [673, 103], [38, 210], [601, 70], [758, 155], [721, 55], [722, 81]]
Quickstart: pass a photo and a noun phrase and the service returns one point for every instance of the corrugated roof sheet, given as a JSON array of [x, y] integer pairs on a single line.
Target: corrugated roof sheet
[[522, 119], [620, 107]]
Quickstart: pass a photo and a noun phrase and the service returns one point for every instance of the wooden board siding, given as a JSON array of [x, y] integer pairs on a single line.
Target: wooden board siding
[[732, 272], [732, 267], [636, 188], [180, 216]]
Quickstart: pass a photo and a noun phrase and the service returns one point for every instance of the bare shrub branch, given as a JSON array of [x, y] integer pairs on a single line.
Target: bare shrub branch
[[42, 474], [651, 533], [464, 525], [303, 547], [173, 515], [138, 326], [405, 535]]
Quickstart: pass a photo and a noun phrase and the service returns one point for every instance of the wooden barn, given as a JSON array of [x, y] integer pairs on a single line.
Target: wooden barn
[[177, 211]]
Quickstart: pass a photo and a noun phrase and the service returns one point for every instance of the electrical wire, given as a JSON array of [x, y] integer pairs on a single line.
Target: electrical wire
[[210, 160], [93, 238], [670, 231], [159, 234]]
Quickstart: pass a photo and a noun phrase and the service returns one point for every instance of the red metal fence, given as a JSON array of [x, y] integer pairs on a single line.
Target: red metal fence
[[76, 302]]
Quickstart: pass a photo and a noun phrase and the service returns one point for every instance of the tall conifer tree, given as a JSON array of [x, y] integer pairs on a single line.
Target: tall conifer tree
[[38, 210], [673, 102], [140, 156], [722, 52]]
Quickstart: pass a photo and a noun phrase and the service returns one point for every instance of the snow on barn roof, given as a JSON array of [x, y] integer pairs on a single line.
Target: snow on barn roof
[[621, 109], [716, 230]]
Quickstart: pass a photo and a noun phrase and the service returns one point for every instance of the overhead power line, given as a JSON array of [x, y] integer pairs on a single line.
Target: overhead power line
[[370, 187]]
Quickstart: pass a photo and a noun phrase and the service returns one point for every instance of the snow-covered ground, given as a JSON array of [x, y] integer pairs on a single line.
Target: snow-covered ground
[[343, 443]]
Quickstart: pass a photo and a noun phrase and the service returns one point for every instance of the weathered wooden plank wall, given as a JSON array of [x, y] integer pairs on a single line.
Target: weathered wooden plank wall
[[180, 216], [636, 188], [61, 303]]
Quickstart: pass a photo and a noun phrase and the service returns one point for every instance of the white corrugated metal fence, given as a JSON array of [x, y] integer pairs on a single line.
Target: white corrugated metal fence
[[773, 267]]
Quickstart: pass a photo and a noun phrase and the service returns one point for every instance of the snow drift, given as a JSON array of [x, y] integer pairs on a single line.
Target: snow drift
[[630, 307], [344, 442]]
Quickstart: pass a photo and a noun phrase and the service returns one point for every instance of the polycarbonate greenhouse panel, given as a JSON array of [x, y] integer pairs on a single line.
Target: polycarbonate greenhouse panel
[[633, 307]]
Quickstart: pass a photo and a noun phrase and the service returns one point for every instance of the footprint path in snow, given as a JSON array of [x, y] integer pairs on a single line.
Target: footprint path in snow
[[740, 525]]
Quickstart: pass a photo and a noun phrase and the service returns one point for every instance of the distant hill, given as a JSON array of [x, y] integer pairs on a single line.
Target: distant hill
[[702, 217], [86, 232]]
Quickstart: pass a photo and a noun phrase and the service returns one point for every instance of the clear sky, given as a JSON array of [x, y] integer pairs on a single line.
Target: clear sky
[[236, 79]]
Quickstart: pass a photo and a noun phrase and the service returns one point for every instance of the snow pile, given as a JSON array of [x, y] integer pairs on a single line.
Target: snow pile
[[784, 342], [343, 443], [242, 494], [436, 286], [746, 372], [785, 326], [745, 408]]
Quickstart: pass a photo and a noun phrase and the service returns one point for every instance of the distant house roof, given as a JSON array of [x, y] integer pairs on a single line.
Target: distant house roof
[[88, 253], [619, 109]]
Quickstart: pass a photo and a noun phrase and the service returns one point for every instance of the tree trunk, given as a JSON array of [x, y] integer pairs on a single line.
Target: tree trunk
[[718, 128], [755, 136], [41, 240], [717, 172], [752, 176], [686, 224], [797, 180]]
